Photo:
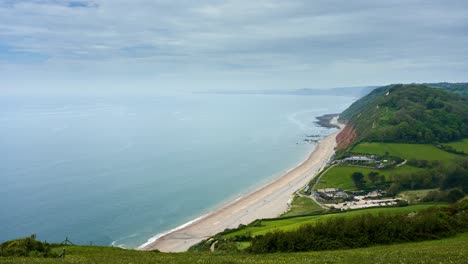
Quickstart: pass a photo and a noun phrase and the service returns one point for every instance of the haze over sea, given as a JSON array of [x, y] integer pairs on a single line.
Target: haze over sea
[[121, 169]]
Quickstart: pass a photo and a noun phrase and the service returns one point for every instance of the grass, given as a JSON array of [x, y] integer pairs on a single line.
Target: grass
[[449, 250], [340, 176], [414, 195], [459, 145], [295, 222], [405, 151], [302, 206]]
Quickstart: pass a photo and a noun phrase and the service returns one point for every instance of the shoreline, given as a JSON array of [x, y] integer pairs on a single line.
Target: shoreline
[[267, 201]]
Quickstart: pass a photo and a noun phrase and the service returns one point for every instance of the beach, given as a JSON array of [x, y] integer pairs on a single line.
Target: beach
[[271, 200]]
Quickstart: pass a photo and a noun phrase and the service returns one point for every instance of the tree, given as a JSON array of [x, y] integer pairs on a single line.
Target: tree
[[455, 195], [373, 176], [358, 179]]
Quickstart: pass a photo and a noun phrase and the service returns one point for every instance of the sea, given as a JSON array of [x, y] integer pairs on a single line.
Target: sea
[[121, 169]]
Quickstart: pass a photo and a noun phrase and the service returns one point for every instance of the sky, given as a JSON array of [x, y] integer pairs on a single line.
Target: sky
[[189, 45]]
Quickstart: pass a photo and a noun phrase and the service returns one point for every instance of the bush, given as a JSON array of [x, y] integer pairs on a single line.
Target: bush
[[365, 230], [455, 195], [26, 247]]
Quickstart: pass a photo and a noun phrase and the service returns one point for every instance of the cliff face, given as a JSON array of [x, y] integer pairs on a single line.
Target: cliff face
[[345, 137]]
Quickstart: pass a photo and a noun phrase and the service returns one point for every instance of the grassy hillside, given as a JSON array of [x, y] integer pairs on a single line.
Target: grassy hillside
[[409, 114], [449, 250], [287, 224]]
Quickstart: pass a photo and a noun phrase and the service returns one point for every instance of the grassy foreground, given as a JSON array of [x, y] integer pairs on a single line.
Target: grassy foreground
[[450, 250]]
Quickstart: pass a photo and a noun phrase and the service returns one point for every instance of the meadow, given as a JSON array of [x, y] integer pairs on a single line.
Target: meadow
[[302, 206], [340, 176], [461, 145], [404, 151]]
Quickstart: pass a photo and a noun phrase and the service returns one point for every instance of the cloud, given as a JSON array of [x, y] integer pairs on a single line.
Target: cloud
[[236, 43]]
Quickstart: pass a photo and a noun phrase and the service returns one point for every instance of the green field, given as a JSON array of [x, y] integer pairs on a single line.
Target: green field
[[296, 222], [340, 176], [449, 250], [302, 206], [459, 145], [405, 151]]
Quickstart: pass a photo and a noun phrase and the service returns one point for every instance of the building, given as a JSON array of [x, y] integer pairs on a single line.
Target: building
[[358, 159]]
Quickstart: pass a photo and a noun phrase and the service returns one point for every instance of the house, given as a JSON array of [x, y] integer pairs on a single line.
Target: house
[[358, 159], [327, 190], [341, 194]]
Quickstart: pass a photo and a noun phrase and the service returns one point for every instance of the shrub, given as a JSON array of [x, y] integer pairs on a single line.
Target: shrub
[[26, 247]]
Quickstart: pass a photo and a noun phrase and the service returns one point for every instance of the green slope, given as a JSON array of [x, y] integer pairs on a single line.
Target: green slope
[[409, 114]]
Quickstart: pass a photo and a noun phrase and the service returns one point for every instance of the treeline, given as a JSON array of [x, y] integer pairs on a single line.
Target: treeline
[[367, 230], [435, 175]]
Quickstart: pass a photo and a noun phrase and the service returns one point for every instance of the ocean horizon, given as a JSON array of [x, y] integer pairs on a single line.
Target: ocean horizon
[[119, 170]]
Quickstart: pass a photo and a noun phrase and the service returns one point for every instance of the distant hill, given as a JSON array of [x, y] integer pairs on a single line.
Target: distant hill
[[343, 91], [412, 113], [458, 88]]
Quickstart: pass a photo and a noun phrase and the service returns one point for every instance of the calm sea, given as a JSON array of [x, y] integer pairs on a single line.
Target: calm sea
[[121, 169]]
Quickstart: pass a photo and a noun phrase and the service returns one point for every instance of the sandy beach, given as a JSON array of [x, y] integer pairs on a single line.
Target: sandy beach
[[266, 202]]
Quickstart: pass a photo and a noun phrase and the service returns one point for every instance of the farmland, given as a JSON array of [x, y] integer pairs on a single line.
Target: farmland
[[340, 176], [459, 145], [404, 151]]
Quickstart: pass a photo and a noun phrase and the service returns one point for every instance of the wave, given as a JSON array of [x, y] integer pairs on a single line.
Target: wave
[[158, 236], [293, 118]]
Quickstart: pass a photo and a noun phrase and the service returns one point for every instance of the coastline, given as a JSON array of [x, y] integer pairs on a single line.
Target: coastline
[[268, 201]]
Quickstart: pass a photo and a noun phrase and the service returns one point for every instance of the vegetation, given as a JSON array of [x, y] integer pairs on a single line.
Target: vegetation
[[409, 114], [458, 88], [26, 247], [427, 167], [340, 177], [303, 206], [415, 196], [358, 180], [367, 230], [460, 146], [449, 250], [404, 151], [261, 227]]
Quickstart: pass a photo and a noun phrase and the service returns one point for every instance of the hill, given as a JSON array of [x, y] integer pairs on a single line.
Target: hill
[[408, 114]]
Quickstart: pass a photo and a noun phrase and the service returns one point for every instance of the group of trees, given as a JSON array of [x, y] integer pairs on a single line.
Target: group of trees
[[435, 175], [366, 230], [377, 180]]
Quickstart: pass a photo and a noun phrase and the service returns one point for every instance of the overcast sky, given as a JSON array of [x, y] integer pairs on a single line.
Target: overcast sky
[[190, 45]]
